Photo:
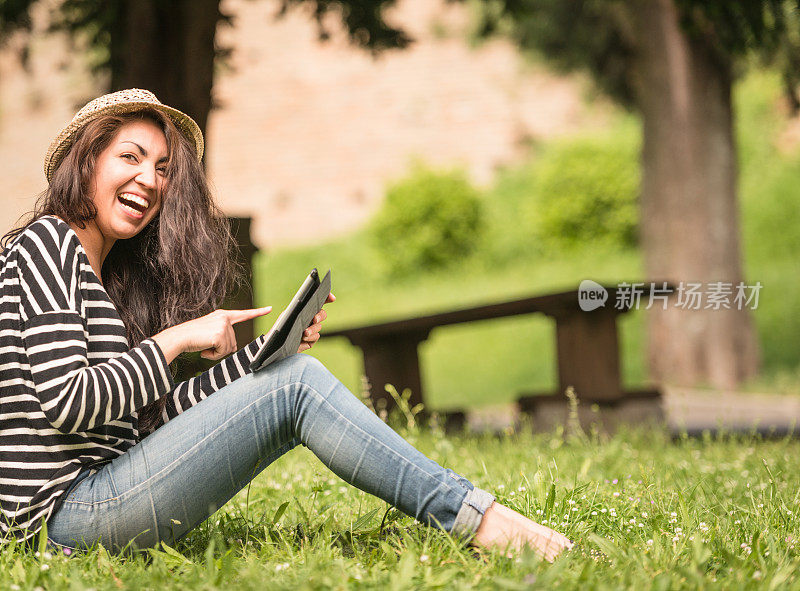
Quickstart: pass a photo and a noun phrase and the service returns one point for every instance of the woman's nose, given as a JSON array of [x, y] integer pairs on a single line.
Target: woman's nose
[[147, 177]]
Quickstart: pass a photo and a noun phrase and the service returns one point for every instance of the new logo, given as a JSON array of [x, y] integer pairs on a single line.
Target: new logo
[[591, 295]]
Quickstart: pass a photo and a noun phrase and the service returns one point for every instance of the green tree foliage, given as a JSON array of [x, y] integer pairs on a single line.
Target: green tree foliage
[[591, 35], [599, 37], [429, 220], [103, 21], [586, 193]]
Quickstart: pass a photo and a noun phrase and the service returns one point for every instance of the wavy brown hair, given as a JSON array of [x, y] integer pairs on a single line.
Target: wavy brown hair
[[179, 266]]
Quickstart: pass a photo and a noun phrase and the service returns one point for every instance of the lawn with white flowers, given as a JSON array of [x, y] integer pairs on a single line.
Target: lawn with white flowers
[[645, 511]]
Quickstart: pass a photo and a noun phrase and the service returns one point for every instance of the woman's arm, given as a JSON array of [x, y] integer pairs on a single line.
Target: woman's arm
[[214, 337], [211, 334], [75, 396], [190, 392], [64, 323]]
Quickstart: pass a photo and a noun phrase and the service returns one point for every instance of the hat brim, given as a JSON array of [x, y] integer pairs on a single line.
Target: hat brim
[[64, 140]]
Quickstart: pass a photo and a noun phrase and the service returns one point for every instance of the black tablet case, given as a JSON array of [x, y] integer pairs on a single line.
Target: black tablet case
[[285, 336]]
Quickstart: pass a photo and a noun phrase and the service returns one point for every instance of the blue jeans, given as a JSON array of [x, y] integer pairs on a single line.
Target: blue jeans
[[174, 479]]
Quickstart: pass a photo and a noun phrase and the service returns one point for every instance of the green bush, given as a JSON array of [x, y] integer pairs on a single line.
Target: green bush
[[586, 193], [429, 220]]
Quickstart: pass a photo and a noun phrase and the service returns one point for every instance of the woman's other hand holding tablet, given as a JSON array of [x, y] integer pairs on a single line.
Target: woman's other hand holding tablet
[[311, 334]]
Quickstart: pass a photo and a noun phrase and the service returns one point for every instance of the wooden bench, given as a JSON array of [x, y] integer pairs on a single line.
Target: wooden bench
[[587, 344]]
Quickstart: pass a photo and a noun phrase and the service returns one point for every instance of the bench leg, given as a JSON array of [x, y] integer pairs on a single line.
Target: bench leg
[[588, 355], [392, 361]]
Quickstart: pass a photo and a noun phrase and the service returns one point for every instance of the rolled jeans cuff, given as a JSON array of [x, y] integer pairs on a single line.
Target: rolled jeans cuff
[[471, 513]]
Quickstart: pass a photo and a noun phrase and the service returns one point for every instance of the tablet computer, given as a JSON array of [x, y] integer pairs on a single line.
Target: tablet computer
[[285, 336]]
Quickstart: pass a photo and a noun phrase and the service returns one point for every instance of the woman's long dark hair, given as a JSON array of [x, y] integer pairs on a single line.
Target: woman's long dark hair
[[176, 269]]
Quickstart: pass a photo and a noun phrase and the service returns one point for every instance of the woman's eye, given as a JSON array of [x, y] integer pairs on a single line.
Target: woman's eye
[[130, 157]]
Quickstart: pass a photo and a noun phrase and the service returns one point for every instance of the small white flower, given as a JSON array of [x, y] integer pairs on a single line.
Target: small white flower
[[571, 502], [737, 522], [521, 489], [616, 494], [644, 513], [641, 524], [423, 558], [594, 512], [649, 542], [678, 530], [673, 514], [282, 566], [539, 511], [44, 566], [603, 510]]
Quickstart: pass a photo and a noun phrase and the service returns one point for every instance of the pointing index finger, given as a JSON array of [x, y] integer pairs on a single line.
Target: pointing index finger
[[242, 315]]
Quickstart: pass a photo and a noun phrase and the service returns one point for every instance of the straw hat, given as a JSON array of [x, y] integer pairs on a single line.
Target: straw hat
[[123, 101]]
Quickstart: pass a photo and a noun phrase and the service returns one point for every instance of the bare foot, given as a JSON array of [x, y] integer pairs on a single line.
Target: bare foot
[[503, 528]]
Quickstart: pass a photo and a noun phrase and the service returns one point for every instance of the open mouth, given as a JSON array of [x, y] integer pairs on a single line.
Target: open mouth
[[133, 203]]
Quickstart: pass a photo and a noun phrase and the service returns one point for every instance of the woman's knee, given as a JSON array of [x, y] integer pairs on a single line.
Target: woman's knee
[[303, 371], [308, 370]]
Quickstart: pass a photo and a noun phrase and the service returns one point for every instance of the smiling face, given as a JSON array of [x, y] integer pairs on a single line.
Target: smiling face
[[129, 180]]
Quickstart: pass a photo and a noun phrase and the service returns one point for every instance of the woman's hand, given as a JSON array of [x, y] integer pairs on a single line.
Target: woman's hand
[[211, 334], [311, 334]]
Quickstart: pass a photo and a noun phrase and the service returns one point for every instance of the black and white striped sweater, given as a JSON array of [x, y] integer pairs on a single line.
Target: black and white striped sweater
[[70, 384]]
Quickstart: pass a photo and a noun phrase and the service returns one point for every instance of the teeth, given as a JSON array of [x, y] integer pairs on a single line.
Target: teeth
[[135, 198], [131, 209]]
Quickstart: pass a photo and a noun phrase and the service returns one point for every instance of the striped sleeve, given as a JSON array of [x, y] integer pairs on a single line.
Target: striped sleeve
[[188, 393], [76, 397]]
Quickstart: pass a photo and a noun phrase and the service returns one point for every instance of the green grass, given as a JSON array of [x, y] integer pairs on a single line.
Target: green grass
[[644, 511]]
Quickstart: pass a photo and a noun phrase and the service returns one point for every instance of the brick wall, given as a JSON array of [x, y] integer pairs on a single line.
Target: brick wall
[[308, 133]]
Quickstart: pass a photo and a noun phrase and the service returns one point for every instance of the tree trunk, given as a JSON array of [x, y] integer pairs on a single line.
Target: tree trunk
[[690, 227], [168, 48]]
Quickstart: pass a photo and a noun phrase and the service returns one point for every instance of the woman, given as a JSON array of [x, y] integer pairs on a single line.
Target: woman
[[118, 272]]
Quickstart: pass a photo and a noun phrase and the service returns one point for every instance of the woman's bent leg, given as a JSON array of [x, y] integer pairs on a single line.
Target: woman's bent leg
[[178, 476]]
